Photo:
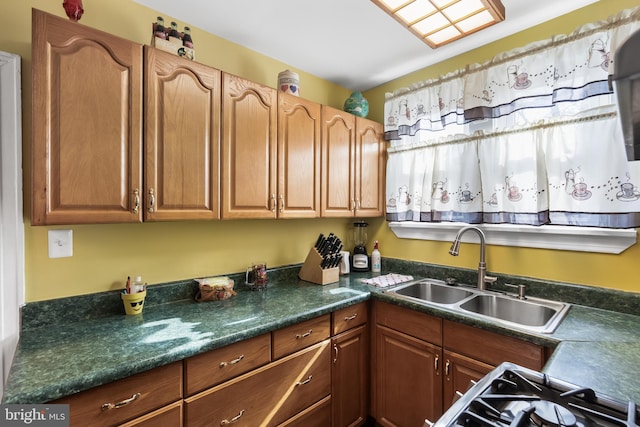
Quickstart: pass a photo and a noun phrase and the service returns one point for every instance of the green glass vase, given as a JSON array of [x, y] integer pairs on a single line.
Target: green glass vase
[[357, 105]]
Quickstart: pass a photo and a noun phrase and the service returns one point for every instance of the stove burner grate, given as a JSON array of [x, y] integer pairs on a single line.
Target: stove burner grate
[[551, 414]]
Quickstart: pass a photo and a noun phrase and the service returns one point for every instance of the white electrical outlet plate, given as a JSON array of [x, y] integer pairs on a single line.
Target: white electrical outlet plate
[[60, 243]]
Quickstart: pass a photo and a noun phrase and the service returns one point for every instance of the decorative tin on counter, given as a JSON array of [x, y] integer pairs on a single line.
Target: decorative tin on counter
[[289, 82]]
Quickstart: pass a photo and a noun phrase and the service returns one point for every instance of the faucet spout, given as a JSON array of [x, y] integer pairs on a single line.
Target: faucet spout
[[482, 265]]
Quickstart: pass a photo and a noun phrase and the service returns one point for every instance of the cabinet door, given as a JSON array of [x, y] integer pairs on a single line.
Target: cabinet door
[[87, 138], [298, 157], [408, 379], [349, 390], [369, 168], [338, 152], [409, 385], [266, 396], [248, 149], [182, 138], [459, 371]]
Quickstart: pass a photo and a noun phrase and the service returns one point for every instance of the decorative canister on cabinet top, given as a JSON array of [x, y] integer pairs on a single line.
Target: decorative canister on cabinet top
[[357, 105], [289, 82]]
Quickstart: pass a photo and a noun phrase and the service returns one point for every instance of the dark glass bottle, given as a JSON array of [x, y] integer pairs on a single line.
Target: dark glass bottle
[[173, 32], [187, 41], [158, 30]]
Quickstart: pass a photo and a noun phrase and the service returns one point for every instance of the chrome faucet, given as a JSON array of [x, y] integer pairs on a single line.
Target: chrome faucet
[[483, 279]]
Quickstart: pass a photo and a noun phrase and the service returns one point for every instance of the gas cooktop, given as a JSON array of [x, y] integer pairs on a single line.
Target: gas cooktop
[[514, 396]]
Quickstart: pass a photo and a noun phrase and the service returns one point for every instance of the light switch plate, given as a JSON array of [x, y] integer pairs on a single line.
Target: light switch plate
[[60, 243]]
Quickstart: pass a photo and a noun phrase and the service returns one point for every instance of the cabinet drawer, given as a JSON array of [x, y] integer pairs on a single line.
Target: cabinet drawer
[[296, 337], [268, 395], [318, 415], [349, 317], [490, 347], [410, 322], [168, 416], [152, 389], [216, 366]]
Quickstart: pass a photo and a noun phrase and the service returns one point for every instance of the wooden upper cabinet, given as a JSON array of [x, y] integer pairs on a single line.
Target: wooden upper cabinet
[[338, 163], [248, 149], [182, 138], [353, 165], [87, 138], [299, 144], [369, 170]]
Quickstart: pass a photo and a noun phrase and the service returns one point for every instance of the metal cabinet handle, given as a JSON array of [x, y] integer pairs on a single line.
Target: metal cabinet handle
[[117, 405], [232, 420], [335, 349], [281, 209], [347, 318], [152, 200], [446, 367], [273, 203], [353, 205], [306, 334], [436, 363], [305, 381], [232, 362], [136, 201]]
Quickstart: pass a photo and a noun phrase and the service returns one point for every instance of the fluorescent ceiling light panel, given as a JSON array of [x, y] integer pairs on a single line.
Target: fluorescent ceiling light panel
[[438, 22]]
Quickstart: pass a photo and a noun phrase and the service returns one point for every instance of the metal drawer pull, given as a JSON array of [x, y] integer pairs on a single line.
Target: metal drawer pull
[[351, 317], [436, 363], [335, 348], [446, 367], [232, 362], [305, 381], [306, 334], [232, 420], [107, 406]]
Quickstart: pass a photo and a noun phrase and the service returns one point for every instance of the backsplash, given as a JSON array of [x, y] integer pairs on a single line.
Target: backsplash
[[105, 304]]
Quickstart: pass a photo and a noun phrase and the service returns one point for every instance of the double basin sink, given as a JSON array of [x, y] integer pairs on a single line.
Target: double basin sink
[[531, 314]]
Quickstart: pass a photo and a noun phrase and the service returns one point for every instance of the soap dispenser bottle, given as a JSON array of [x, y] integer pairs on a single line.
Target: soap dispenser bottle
[[376, 264]]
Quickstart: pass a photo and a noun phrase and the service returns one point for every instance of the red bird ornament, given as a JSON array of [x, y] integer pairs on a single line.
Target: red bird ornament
[[74, 9]]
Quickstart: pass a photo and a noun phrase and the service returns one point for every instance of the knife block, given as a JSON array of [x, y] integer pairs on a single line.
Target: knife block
[[312, 272]]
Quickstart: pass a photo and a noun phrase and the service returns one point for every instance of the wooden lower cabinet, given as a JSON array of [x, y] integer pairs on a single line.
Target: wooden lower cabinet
[[350, 386], [409, 385], [420, 364], [459, 372], [267, 396]]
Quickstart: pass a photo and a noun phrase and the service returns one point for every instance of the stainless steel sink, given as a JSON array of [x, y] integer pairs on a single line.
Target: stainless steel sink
[[433, 292], [531, 314], [543, 315]]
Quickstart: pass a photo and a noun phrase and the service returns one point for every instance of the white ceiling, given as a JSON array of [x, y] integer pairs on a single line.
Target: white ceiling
[[352, 43]]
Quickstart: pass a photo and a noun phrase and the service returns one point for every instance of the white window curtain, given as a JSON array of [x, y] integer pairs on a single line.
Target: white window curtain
[[531, 137]]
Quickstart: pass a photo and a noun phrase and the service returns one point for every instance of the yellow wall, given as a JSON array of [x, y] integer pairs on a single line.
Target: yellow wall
[[610, 271], [105, 254]]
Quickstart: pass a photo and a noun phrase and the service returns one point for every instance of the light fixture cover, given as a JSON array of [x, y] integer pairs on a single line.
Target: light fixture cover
[[438, 22]]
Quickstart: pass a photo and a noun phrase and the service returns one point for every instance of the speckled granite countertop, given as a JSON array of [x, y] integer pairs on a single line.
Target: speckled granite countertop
[[73, 344]]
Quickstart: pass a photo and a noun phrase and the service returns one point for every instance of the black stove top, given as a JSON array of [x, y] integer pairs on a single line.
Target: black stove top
[[513, 396]]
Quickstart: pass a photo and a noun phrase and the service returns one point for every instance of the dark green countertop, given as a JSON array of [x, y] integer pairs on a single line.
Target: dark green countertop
[[62, 351]]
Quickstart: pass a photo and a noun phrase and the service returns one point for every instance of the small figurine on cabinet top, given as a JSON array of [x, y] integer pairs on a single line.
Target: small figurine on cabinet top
[[74, 9]]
